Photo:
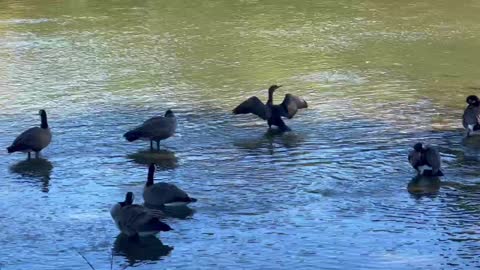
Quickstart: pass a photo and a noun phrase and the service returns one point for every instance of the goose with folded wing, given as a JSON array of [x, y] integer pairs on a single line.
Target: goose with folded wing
[[136, 220], [425, 159], [33, 139], [154, 129], [471, 115], [163, 194]]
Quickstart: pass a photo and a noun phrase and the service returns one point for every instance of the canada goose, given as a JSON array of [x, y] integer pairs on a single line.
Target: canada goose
[[424, 156], [154, 129], [163, 194], [471, 115], [33, 139], [135, 220], [272, 113]]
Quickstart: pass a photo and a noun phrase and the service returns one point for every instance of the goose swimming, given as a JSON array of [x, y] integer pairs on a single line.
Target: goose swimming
[[154, 129], [471, 115], [136, 220], [424, 157], [272, 113], [33, 139], [163, 194]]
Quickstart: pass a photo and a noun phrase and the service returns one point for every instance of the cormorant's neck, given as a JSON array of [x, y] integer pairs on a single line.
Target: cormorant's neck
[[44, 121], [270, 98]]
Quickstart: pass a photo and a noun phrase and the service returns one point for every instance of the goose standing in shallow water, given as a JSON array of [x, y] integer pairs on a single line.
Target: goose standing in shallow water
[[33, 139], [471, 115], [163, 194], [154, 129], [424, 156], [135, 220], [272, 113]]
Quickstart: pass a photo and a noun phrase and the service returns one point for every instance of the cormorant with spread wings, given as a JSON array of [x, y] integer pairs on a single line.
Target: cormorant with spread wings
[[272, 113]]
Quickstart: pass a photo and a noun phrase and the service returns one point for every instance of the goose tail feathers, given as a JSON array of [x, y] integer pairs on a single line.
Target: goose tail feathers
[[160, 226]]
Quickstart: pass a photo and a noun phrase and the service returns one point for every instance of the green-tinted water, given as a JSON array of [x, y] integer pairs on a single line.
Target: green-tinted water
[[378, 76]]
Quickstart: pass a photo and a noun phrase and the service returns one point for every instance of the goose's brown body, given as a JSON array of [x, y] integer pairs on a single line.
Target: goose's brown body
[[33, 139]]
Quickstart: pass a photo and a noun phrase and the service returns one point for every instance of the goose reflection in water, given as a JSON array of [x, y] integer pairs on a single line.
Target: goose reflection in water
[[472, 142], [34, 168], [424, 185], [147, 249], [164, 159]]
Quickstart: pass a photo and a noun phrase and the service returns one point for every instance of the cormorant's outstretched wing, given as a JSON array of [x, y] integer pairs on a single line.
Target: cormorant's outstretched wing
[[255, 106], [291, 104]]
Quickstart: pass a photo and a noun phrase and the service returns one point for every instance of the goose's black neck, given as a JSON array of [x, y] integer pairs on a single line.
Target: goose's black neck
[[151, 172], [43, 117], [128, 199]]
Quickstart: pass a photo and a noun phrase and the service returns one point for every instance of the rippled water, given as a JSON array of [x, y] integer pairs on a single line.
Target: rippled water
[[332, 194]]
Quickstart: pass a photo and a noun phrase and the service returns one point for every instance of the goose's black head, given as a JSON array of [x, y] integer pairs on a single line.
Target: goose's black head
[[273, 88], [169, 113], [419, 147], [43, 117], [128, 198], [151, 173], [473, 100]]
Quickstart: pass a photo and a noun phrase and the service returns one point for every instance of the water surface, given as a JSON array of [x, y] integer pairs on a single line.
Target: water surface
[[378, 75]]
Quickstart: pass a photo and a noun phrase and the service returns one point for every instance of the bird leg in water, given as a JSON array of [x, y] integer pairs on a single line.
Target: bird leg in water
[[151, 145], [158, 145], [28, 155]]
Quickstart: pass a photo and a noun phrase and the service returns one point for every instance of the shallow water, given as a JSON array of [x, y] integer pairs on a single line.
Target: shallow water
[[332, 194]]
